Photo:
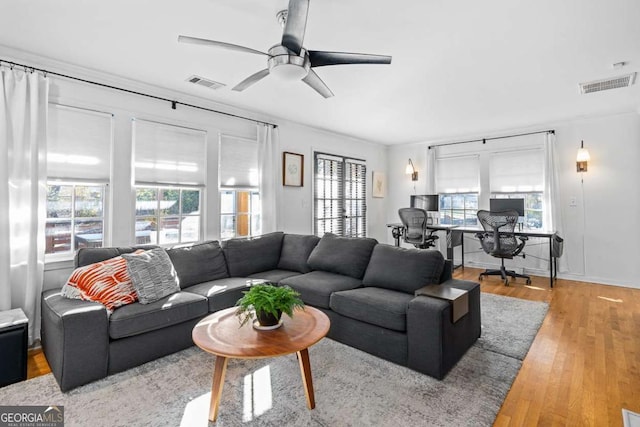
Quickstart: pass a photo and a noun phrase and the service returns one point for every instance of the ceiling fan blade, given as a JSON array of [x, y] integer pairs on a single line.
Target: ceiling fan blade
[[320, 58], [254, 78], [206, 42], [296, 24], [313, 80]]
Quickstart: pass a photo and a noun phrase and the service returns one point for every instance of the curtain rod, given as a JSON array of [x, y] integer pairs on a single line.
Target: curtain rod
[[159, 98], [484, 140]]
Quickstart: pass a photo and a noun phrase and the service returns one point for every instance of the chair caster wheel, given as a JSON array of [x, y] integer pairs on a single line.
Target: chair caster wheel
[[528, 281], [480, 277], [506, 282]]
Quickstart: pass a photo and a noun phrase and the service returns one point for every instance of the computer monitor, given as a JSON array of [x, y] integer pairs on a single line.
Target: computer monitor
[[428, 202], [497, 205]]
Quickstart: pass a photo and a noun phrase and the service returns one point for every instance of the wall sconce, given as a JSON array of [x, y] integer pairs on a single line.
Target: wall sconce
[[410, 170], [582, 159]]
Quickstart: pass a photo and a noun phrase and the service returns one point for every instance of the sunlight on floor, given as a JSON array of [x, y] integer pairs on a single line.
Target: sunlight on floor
[[257, 394], [535, 288], [610, 299], [196, 413]]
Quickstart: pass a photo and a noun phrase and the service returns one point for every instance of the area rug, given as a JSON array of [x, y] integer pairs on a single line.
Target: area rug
[[352, 388]]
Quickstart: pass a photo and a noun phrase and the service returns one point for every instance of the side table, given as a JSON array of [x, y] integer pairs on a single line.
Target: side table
[[458, 298], [13, 346]]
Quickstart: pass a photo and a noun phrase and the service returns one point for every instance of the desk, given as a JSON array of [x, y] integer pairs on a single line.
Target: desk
[[397, 227], [527, 233], [396, 231]]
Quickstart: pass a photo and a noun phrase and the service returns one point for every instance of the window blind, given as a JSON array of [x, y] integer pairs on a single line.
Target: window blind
[[355, 199], [328, 194], [168, 154], [78, 144], [516, 171], [458, 174], [340, 196], [238, 163]]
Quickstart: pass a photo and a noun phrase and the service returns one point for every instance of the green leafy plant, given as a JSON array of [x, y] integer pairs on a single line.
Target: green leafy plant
[[268, 298]]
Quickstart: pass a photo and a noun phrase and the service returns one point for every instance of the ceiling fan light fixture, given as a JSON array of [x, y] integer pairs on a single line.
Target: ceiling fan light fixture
[[287, 66], [289, 72]]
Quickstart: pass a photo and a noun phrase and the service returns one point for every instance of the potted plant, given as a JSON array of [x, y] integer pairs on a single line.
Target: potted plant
[[268, 302]]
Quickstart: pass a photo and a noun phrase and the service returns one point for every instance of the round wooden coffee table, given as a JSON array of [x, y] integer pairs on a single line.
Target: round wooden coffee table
[[220, 333]]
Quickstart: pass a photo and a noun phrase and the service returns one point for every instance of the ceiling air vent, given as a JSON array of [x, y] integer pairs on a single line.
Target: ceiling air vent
[[606, 84], [205, 82]]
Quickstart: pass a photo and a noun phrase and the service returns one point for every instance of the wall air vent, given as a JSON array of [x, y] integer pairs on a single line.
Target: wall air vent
[[606, 84], [205, 82]]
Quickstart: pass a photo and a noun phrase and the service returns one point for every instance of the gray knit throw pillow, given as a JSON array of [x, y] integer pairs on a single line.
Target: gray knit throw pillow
[[152, 275]]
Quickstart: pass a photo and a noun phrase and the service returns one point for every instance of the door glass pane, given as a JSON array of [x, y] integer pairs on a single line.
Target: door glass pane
[[227, 226]]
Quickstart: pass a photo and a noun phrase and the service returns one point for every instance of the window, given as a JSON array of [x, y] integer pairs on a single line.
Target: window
[[532, 206], [167, 215], [340, 204], [78, 171], [240, 206], [519, 174], [75, 217], [169, 174], [239, 214], [459, 209], [458, 183]]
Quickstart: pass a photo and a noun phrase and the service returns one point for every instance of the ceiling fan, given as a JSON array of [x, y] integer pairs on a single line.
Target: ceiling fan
[[289, 59]]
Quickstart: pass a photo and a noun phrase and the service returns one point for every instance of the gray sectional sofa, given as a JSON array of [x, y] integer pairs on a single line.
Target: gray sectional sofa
[[366, 289]]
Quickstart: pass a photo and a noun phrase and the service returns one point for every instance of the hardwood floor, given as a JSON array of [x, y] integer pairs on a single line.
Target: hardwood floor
[[583, 367]]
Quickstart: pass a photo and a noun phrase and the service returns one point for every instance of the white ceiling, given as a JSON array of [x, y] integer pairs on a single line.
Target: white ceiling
[[459, 67]]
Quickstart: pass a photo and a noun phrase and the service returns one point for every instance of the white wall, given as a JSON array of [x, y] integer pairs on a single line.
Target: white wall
[[601, 231]]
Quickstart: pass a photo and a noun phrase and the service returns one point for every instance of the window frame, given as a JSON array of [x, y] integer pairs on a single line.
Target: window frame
[[467, 220], [159, 188], [73, 219], [252, 214], [347, 201], [528, 198]]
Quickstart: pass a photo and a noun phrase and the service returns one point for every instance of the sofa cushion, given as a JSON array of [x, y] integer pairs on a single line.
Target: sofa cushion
[[342, 255], [315, 288], [86, 256], [274, 276], [403, 269], [107, 282], [247, 256], [152, 274], [136, 318], [381, 307], [223, 293], [296, 249], [199, 262]]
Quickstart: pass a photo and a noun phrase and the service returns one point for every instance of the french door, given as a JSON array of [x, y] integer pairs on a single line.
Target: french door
[[339, 201]]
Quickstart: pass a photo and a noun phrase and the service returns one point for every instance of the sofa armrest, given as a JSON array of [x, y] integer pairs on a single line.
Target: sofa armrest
[[435, 343], [75, 339]]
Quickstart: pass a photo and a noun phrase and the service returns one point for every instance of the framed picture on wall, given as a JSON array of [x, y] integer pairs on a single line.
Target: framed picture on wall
[[292, 169], [379, 185]]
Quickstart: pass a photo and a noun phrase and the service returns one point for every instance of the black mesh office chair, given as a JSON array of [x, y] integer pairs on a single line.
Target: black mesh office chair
[[499, 241], [415, 229]]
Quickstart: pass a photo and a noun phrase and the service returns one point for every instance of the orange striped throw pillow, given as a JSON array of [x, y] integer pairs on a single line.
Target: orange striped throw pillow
[[107, 282]]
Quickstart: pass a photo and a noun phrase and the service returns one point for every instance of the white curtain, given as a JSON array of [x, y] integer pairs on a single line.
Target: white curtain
[[552, 201], [23, 173], [268, 176], [431, 170]]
